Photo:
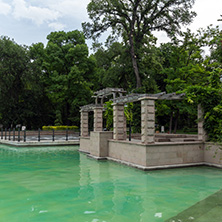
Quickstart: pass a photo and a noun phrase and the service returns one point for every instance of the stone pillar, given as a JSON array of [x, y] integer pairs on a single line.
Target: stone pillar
[[147, 120], [201, 131], [125, 127], [98, 119], [119, 122], [84, 123]]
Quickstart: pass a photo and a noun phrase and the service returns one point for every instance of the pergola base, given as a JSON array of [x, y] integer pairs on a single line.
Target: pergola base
[[150, 150], [100, 146]]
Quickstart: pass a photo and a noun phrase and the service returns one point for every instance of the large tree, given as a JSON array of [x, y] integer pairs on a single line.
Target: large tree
[[21, 91], [134, 20], [68, 73]]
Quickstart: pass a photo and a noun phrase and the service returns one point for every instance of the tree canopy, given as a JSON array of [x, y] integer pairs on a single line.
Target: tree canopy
[[135, 20], [67, 71], [46, 85]]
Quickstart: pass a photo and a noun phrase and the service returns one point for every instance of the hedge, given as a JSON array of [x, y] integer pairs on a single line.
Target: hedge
[[59, 127]]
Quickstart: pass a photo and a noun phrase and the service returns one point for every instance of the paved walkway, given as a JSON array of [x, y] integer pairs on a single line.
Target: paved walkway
[[207, 210], [44, 141]]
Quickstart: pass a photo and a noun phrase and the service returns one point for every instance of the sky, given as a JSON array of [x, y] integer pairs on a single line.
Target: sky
[[30, 21]]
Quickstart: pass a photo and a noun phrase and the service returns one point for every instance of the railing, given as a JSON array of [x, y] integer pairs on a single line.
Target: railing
[[39, 135]]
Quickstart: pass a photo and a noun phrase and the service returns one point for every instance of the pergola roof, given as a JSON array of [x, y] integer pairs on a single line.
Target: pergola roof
[[159, 96], [134, 97], [90, 107], [109, 91]]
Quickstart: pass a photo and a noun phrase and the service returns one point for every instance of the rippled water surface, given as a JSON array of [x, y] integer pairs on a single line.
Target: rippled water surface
[[60, 184]]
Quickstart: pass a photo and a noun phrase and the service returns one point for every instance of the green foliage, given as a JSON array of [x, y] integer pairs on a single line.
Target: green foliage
[[60, 127], [68, 71], [113, 66], [185, 66], [210, 98], [108, 115], [135, 20], [47, 85], [21, 90], [128, 111]]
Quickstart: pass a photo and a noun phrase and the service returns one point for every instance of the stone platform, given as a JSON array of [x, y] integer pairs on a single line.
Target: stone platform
[[175, 153]]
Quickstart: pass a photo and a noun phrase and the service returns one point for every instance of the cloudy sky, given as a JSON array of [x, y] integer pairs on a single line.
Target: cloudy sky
[[30, 21]]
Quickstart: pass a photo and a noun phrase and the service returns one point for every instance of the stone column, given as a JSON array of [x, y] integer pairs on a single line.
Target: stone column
[[201, 131], [148, 120], [84, 123], [119, 122], [98, 119], [125, 127]]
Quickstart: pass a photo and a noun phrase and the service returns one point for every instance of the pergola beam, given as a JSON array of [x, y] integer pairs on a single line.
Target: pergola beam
[[90, 107], [109, 91], [159, 96]]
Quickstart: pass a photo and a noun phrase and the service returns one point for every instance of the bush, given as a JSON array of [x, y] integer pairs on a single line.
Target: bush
[[60, 127]]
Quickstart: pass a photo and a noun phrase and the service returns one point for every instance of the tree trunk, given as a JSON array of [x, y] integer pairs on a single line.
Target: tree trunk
[[134, 62], [171, 122], [176, 121]]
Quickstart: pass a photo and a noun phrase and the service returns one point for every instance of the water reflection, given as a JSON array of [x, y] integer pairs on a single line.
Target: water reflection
[[63, 183]]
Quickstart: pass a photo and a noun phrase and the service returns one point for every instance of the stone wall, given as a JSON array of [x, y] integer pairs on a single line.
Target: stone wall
[[97, 144], [156, 154], [100, 145], [128, 152], [175, 154], [213, 154], [85, 144]]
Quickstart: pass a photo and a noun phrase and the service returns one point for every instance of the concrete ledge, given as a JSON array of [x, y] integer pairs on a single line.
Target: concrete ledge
[[96, 157], [127, 163], [213, 165], [83, 151], [138, 142], [41, 143], [156, 167]]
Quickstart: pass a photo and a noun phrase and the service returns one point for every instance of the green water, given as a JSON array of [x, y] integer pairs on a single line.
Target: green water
[[60, 184]]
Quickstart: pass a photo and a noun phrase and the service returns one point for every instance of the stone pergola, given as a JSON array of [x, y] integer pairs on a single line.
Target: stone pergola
[[97, 108], [119, 120], [147, 114]]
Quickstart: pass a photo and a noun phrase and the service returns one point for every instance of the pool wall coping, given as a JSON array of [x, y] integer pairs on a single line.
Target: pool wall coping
[[41, 143]]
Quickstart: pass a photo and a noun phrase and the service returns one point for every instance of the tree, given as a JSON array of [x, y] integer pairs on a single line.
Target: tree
[[210, 98], [134, 20], [113, 66], [13, 68], [186, 66], [68, 71], [21, 97]]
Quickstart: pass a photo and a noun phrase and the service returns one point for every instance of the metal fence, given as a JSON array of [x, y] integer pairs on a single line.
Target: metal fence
[[39, 135]]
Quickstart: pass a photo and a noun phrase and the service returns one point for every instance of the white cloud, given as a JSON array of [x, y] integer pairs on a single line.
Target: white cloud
[[208, 12], [38, 15], [57, 26], [4, 8], [73, 8]]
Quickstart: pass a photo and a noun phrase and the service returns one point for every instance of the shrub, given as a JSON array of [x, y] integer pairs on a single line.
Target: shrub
[[60, 127]]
